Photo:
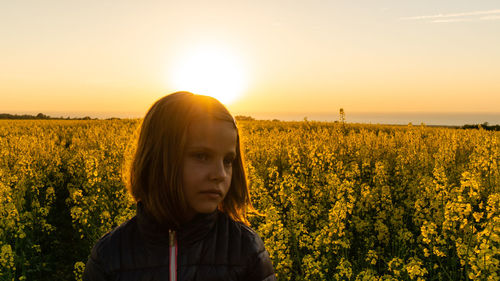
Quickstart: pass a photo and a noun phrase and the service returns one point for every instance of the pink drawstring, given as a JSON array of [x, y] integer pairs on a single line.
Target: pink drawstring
[[172, 256]]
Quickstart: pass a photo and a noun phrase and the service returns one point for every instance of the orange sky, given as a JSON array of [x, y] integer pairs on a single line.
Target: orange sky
[[294, 56]]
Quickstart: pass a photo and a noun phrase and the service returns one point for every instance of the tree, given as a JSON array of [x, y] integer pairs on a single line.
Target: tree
[[244, 118], [42, 116]]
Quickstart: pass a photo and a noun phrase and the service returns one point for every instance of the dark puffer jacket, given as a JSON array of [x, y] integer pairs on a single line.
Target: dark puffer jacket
[[210, 247]]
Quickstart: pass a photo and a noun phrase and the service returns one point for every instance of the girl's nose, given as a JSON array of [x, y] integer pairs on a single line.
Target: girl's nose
[[218, 172]]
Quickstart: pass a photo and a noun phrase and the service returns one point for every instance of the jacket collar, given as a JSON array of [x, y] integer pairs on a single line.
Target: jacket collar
[[187, 234]]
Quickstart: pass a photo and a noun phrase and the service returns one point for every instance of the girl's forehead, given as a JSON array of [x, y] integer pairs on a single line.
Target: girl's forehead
[[211, 129]]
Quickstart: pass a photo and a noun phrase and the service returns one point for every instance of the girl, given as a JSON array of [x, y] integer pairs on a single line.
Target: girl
[[188, 179]]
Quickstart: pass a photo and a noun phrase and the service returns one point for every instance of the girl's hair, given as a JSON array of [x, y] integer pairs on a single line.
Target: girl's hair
[[155, 173]]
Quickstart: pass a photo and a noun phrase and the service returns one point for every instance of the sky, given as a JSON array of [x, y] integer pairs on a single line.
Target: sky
[[302, 58]]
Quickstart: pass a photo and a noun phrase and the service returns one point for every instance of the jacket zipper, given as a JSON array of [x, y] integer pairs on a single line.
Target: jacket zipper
[[172, 256]]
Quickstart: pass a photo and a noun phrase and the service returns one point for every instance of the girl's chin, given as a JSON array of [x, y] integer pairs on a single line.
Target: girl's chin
[[207, 209]]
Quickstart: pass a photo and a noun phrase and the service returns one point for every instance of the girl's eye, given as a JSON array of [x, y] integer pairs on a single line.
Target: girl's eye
[[228, 161], [200, 156]]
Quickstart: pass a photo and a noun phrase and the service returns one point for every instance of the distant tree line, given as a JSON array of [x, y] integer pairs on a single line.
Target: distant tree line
[[483, 126], [244, 118], [41, 116]]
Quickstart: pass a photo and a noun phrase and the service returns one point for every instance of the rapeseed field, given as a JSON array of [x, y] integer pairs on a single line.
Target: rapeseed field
[[337, 201]]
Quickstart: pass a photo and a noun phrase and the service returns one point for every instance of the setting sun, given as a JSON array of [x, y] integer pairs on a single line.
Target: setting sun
[[211, 71]]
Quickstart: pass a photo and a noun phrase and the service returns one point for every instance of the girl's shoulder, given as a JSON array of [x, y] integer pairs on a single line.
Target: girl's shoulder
[[107, 248], [246, 244], [240, 233]]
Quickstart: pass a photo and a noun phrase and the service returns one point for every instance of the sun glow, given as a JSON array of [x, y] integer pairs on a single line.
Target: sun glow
[[210, 71]]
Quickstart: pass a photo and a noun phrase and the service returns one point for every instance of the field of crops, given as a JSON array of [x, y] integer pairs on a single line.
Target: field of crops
[[341, 201]]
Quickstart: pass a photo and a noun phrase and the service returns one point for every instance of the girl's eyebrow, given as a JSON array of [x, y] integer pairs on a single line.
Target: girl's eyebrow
[[198, 146], [204, 148]]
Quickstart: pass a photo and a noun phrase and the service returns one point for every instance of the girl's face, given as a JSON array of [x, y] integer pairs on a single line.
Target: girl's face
[[207, 164]]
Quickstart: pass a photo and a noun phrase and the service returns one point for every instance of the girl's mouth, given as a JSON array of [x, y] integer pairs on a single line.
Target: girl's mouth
[[214, 193]]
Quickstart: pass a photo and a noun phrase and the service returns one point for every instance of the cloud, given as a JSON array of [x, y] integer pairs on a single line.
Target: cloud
[[459, 17], [453, 20], [491, 18]]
